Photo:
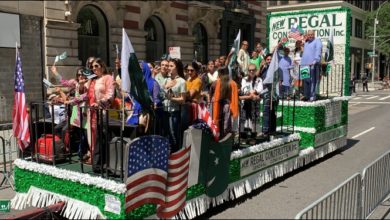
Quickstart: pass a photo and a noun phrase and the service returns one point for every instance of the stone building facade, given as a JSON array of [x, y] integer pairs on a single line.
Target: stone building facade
[[93, 28]]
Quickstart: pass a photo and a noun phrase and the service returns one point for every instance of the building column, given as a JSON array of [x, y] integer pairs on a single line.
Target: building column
[[352, 64]]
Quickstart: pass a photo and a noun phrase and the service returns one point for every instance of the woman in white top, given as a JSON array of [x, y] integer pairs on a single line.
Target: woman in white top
[[251, 88], [175, 90], [297, 83]]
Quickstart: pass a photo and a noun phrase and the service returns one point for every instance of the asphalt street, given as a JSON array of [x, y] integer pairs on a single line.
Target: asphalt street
[[283, 198]]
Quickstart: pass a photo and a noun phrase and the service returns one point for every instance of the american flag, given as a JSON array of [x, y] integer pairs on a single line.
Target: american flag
[[20, 125], [178, 167], [296, 32], [203, 114], [155, 177]]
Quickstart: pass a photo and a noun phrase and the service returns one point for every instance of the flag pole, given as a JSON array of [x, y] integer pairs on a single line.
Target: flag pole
[[123, 111]]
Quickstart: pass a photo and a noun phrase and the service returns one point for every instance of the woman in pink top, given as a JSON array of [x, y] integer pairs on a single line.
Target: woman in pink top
[[100, 94]]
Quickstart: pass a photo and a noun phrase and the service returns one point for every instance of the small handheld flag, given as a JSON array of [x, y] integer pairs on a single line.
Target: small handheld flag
[[62, 56], [296, 32], [305, 72], [47, 83]]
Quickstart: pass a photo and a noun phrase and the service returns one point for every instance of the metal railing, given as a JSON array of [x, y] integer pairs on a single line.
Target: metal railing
[[376, 183], [343, 202], [8, 152], [355, 198]]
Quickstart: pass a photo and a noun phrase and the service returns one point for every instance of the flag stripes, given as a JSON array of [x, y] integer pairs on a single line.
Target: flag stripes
[[20, 125], [178, 167], [203, 114]]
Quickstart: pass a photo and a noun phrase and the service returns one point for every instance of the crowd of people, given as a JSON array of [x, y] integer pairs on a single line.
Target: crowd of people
[[175, 88]]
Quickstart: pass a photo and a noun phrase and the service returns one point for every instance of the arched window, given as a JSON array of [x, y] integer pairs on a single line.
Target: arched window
[[200, 43], [92, 34], [155, 39]]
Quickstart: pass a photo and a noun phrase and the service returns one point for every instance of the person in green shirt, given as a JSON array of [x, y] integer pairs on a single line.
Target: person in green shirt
[[256, 59]]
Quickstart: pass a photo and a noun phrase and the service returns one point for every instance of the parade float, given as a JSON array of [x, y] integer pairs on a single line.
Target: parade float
[[205, 173]]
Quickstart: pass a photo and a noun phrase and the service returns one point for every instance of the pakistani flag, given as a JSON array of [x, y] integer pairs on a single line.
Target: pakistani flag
[[272, 76], [62, 56], [235, 48], [209, 163], [329, 54], [305, 72], [133, 80]]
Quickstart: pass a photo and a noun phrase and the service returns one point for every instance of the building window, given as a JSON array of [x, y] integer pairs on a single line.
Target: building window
[[367, 5], [200, 43], [92, 34], [359, 4], [358, 28], [155, 39], [375, 5], [351, 29]]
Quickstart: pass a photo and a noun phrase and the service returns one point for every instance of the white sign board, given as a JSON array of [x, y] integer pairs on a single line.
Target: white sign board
[[332, 113], [329, 135], [324, 25], [264, 159], [112, 204], [174, 52], [10, 30]]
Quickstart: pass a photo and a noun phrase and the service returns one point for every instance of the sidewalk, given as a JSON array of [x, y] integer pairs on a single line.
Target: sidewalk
[[377, 85]]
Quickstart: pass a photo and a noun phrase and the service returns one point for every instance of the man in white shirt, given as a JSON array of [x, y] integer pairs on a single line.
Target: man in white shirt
[[243, 57]]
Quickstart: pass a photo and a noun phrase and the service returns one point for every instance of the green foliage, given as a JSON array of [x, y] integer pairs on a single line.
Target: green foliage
[[382, 28]]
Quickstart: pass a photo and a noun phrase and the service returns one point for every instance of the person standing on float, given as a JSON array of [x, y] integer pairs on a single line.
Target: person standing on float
[[311, 57]]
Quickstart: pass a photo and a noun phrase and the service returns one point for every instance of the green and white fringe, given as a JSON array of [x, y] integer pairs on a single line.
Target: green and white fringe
[[72, 176], [73, 209], [201, 204]]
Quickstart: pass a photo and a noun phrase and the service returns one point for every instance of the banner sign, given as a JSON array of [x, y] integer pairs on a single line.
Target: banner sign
[[327, 136], [174, 52], [324, 25], [332, 113], [267, 158]]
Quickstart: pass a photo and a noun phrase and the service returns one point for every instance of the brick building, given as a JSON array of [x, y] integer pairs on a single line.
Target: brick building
[[91, 28]]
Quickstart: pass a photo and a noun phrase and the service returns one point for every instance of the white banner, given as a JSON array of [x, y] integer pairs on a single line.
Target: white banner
[[324, 24], [259, 161], [174, 52]]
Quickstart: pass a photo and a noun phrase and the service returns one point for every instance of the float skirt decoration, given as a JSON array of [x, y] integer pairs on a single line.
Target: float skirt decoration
[[42, 185]]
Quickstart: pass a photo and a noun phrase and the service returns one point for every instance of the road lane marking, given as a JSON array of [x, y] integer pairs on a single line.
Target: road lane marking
[[373, 97], [384, 98], [356, 98], [361, 133], [371, 102], [355, 103]]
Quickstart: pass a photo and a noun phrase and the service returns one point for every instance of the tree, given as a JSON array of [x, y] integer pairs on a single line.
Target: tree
[[382, 28], [382, 31]]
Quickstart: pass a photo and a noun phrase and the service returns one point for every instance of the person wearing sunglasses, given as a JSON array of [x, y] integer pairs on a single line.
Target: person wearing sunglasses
[[88, 63], [193, 83], [251, 88], [100, 92]]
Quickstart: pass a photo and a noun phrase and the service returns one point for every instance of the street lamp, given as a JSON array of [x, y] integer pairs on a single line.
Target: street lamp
[[373, 46]]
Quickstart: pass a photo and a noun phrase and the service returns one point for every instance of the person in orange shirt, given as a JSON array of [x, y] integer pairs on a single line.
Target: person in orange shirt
[[194, 83]]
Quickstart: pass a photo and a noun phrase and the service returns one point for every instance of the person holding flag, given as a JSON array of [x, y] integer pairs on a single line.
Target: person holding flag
[[311, 59]]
